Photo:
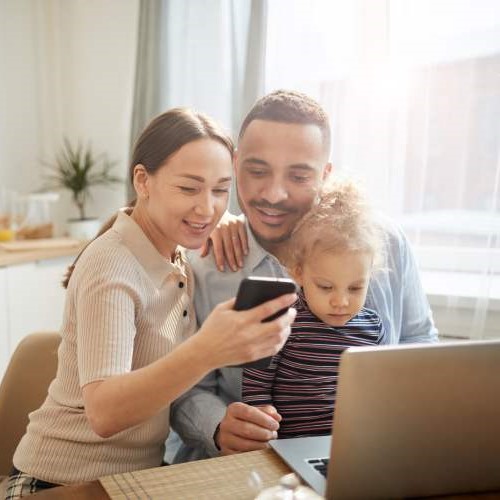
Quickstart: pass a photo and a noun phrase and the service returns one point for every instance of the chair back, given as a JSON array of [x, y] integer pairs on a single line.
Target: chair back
[[23, 389]]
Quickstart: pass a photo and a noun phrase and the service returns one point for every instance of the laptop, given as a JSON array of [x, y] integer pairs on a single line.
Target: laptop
[[410, 420]]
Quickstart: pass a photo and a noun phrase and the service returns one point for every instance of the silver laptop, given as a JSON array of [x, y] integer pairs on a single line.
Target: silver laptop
[[410, 420]]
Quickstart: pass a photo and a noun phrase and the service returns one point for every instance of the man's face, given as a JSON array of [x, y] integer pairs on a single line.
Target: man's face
[[279, 170]]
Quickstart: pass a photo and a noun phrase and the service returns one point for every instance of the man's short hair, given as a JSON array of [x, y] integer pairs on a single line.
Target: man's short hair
[[289, 106]]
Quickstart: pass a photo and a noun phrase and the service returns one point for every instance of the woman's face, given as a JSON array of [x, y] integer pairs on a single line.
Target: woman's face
[[184, 200]]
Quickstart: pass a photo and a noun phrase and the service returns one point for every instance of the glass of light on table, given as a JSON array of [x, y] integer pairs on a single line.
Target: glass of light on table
[[7, 232]]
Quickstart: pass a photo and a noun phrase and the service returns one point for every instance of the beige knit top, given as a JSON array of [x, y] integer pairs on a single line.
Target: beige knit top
[[126, 307]]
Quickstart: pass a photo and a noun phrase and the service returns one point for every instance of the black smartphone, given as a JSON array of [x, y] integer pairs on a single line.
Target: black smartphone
[[256, 290]]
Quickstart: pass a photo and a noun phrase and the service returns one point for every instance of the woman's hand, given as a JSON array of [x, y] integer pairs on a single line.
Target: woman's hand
[[229, 241], [232, 337]]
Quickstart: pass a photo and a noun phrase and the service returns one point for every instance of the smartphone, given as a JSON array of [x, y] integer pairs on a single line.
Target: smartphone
[[256, 290]]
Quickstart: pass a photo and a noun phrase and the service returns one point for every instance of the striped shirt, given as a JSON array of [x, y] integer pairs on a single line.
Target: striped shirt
[[301, 381]]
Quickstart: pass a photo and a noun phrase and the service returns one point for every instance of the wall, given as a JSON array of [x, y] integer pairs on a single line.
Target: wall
[[66, 69], [19, 106]]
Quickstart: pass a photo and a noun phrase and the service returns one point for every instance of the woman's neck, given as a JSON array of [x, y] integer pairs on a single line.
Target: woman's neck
[[165, 247]]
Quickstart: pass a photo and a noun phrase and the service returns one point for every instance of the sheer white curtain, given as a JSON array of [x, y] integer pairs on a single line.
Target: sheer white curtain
[[204, 54], [413, 91], [214, 56]]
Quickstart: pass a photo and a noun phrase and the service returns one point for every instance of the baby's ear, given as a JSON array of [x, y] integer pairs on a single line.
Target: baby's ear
[[296, 274]]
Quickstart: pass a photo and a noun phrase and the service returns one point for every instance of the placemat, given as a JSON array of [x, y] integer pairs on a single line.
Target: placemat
[[223, 477]]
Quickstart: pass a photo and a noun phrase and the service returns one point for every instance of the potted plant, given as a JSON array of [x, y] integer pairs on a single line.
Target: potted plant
[[78, 170]]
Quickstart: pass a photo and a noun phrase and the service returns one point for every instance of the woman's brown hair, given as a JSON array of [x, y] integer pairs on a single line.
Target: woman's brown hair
[[164, 136]]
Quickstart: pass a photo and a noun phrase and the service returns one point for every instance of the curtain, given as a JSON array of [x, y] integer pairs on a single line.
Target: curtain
[[413, 92], [215, 56], [250, 83], [204, 54], [151, 56]]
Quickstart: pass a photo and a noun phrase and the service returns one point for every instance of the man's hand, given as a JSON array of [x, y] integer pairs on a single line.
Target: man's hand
[[247, 428], [229, 241]]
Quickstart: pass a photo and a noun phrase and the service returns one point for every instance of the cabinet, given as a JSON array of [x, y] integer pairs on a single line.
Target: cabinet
[[31, 299]]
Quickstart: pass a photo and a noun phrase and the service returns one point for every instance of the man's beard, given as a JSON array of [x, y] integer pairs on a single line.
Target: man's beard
[[282, 207], [263, 241]]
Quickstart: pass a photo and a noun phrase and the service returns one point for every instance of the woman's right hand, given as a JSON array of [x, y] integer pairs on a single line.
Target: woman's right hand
[[233, 337]]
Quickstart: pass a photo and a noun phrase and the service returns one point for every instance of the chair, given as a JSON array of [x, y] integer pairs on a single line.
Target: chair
[[23, 389]]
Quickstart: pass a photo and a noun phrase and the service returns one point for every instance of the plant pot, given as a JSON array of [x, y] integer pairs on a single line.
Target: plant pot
[[83, 229]]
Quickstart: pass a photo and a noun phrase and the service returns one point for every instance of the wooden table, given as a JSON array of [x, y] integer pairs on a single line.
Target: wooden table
[[222, 478], [216, 478]]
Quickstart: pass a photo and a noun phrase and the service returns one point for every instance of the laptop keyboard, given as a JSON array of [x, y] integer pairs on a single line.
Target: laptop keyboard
[[319, 464]]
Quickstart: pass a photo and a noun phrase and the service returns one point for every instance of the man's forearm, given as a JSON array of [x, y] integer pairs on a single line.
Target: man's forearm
[[195, 416]]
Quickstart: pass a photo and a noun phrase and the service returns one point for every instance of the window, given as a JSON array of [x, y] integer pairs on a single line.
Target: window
[[413, 92]]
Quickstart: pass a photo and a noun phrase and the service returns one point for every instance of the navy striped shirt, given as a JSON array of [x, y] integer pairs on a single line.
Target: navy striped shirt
[[301, 381]]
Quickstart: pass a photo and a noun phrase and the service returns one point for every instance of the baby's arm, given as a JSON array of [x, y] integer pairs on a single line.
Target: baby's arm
[[382, 334], [257, 385]]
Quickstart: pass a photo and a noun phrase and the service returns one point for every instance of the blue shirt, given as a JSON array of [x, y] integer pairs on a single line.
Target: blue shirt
[[395, 293]]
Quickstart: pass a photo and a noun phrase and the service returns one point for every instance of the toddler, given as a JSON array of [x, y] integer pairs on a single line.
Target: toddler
[[331, 255]]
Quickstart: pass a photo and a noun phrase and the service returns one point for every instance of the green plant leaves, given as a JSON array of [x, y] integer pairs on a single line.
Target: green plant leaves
[[77, 169]]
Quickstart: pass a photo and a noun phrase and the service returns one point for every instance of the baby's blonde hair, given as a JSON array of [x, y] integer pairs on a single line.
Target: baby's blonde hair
[[340, 220]]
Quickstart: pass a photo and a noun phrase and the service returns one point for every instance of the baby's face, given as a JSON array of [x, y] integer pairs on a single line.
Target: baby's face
[[335, 284]]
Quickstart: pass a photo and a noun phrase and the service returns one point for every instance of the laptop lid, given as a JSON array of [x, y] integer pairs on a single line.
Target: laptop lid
[[416, 420]]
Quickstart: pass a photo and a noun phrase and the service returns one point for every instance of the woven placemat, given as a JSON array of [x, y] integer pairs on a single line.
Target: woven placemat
[[223, 477]]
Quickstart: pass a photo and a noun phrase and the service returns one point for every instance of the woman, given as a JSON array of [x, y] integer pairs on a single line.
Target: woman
[[127, 348]]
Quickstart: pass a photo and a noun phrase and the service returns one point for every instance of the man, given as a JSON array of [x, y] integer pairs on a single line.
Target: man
[[281, 163]]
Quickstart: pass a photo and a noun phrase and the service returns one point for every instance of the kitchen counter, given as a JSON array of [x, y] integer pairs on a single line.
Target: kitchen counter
[[31, 295], [10, 258]]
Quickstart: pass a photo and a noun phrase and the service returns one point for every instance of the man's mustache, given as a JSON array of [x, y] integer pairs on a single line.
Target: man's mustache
[[282, 207]]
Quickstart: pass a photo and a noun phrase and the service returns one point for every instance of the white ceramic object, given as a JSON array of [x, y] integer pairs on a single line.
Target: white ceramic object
[[289, 488], [83, 229]]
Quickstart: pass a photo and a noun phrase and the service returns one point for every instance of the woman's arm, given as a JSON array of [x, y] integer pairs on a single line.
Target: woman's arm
[[227, 337], [123, 401]]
